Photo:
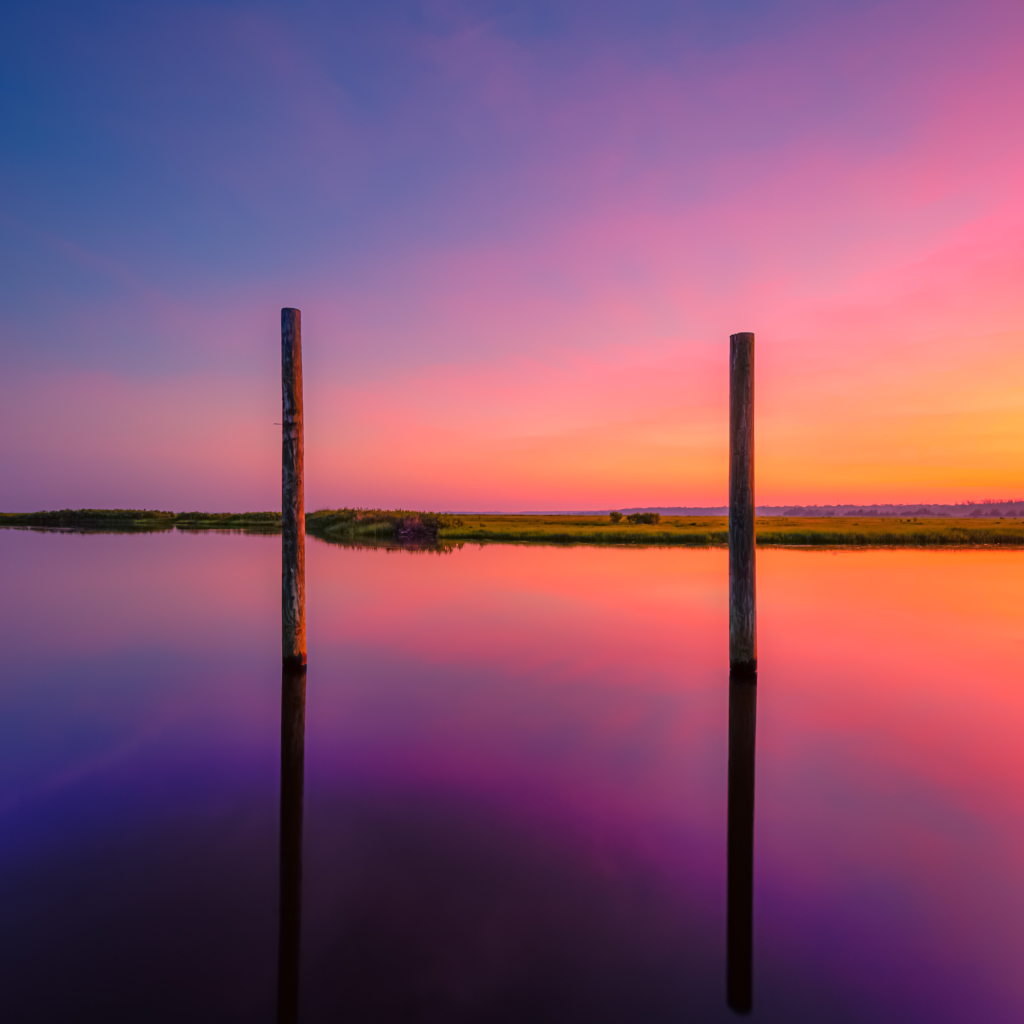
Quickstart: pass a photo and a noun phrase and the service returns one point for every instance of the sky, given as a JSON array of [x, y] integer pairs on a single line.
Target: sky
[[520, 235]]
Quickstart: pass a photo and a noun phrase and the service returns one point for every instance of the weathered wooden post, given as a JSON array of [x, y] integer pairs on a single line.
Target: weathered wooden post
[[293, 677], [742, 676], [742, 594], [740, 844], [293, 511], [293, 747]]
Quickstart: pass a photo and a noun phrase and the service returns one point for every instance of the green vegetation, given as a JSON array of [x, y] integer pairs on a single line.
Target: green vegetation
[[143, 519], [83, 516], [400, 527], [589, 530], [263, 522], [884, 532], [714, 530], [372, 524], [644, 517]]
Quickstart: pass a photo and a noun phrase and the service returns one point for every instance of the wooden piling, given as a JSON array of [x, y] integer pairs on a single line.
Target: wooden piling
[[293, 511], [742, 592], [740, 844], [293, 747]]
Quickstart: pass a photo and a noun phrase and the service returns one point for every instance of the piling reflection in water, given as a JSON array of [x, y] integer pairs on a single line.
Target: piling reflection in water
[[740, 912], [293, 740]]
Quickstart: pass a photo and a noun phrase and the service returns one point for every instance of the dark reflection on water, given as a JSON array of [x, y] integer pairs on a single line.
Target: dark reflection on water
[[389, 546], [449, 911], [432, 910], [293, 742], [740, 921], [154, 901]]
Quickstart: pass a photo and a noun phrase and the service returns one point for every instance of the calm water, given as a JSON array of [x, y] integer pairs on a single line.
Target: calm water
[[516, 784]]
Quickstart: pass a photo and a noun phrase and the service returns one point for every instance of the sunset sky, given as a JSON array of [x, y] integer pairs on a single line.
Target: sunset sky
[[520, 234]]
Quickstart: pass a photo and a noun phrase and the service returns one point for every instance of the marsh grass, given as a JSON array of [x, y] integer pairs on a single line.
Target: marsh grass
[[589, 530], [122, 519], [426, 529], [403, 525], [714, 530]]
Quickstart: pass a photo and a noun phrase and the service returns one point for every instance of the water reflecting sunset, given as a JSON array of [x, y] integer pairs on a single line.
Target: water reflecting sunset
[[515, 783]]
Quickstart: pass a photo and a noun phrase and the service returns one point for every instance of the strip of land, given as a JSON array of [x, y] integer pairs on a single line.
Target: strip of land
[[425, 528], [835, 531], [142, 519]]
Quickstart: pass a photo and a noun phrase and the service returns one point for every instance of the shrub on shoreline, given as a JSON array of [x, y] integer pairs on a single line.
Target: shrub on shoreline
[[644, 517]]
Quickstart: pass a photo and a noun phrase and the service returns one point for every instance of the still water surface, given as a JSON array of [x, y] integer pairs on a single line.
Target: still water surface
[[515, 784]]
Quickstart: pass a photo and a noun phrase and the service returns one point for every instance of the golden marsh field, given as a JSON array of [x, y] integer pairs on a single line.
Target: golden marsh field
[[368, 525], [844, 531]]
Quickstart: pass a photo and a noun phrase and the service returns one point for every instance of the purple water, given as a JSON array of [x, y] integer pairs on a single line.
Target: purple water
[[515, 783]]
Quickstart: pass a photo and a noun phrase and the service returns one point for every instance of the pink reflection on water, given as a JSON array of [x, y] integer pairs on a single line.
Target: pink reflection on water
[[581, 694], [580, 683], [589, 687], [889, 763]]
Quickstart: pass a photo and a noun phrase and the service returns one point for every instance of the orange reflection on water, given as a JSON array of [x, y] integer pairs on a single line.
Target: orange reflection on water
[[572, 700], [889, 768]]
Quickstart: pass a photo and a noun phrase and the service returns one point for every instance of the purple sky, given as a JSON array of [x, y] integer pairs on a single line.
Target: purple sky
[[520, 235]]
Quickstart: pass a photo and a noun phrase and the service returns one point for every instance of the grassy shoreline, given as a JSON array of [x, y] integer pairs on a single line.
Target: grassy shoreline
[[830, 531], [422, 528], [128, 518]]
